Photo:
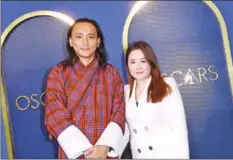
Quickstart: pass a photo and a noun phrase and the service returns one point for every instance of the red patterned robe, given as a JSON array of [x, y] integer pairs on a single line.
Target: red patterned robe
[[87, 97]]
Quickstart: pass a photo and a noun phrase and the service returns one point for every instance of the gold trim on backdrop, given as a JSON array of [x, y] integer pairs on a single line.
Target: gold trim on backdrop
[[134, 10], [225, 38], [220, 19], [5, 34]]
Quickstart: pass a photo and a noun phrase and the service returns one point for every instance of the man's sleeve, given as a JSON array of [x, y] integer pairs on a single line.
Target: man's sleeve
[[58, 119], [113, 134]]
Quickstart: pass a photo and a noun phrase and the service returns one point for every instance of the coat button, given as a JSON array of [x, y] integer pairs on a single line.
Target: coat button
[[135, 131], [146, 128], [139, 150], [150, 148]]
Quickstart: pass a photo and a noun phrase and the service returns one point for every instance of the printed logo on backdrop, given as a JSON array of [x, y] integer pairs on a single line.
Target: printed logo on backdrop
[[191, 43], [32, 44]]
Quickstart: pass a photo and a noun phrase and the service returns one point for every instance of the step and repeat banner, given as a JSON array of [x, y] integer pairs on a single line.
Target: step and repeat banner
[[192, 41]]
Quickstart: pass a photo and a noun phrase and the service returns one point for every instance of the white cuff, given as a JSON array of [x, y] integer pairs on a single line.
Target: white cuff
[[111, 137], [73, 142]]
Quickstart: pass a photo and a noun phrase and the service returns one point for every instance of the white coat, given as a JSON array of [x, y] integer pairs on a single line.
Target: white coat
[[156, 130]]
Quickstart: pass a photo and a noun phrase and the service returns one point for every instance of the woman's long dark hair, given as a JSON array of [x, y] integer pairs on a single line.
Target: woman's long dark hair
[[101, 52], [158, 88]]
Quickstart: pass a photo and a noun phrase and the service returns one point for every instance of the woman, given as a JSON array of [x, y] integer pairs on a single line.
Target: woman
[[156, 125], [85, 108]]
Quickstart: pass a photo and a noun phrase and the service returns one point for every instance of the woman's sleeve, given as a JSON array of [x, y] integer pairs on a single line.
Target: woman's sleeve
[[179, 141]]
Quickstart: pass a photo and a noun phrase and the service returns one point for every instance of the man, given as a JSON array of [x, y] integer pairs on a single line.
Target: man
[[85, 108]]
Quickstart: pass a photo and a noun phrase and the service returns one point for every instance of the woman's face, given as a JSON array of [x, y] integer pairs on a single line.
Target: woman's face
[[138, 65]]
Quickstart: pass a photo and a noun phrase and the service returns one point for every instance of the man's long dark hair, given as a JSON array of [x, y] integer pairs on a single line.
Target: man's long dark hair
[[101, 52]]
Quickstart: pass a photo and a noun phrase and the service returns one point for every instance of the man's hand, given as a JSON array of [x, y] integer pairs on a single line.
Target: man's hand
[[88, 151], [98, 152]]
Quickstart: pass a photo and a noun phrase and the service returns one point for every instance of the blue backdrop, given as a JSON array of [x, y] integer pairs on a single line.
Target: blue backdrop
[[186, 37]]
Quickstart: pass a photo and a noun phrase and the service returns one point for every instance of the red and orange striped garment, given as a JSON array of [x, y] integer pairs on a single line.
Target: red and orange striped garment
[[88, 97]]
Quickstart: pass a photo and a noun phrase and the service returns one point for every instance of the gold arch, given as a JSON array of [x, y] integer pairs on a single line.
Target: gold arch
[[221, 21], [8, 30]]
